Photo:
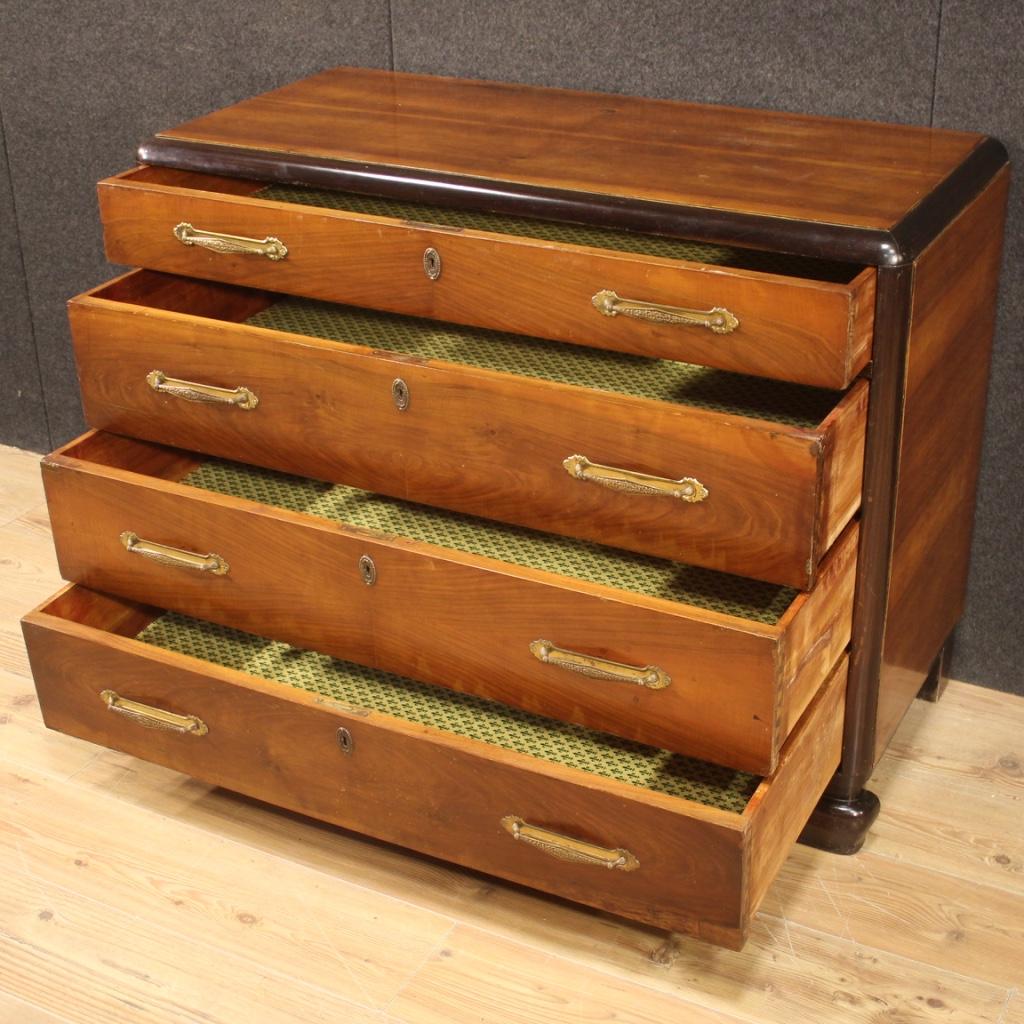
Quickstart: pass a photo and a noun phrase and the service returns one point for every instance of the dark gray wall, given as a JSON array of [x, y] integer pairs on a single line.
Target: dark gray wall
[[81, 84]]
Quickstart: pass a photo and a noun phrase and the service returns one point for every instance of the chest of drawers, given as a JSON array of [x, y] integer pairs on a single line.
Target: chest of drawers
[[573, 487]]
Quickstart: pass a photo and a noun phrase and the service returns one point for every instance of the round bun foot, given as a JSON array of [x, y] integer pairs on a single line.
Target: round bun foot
[[840, 825]]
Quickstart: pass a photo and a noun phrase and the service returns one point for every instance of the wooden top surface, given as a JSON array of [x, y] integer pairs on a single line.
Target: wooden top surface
[[527, 143], [809, 168]]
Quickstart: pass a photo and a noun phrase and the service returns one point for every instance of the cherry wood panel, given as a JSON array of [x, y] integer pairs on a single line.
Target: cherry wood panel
[[472, 440], [951, 328], [813, 332], [818, 625], [749, 161], [451, 618], [779, 812], [700, 869]]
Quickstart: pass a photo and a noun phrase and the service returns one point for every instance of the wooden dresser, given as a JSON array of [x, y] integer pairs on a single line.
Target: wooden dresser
[[573, 487]]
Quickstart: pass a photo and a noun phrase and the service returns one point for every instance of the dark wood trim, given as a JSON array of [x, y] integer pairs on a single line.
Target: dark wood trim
[[923, 224], [870, 246], [840, 824], [938, 676], [893, 300]]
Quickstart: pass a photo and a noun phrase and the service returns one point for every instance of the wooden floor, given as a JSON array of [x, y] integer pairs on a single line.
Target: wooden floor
[[130, 894]]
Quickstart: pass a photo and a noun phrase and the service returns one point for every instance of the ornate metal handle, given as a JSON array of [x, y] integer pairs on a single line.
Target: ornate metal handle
[[687, 489], [240, 398], [566, 848], [176, 557], [650, 676], [154, 718], [271, 247], [719, 320]]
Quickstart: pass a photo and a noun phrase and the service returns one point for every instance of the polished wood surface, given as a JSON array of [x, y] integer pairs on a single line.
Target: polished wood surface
[[472, 440], [842, 819], [122, 881], [947, 368], [749, 161], [280, 744], [813, 332], [777, 812], [448, 617]]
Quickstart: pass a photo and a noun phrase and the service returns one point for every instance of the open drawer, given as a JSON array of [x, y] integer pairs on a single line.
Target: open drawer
[[734, 473], [696, 662], [669, 841], [775, 316]]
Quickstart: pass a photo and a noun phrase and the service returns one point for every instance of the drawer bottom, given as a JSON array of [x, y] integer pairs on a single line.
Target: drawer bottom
[[665, 839]]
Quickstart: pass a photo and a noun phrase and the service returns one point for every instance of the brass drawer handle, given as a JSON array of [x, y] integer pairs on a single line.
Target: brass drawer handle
[[566, 848], [687, 489], [719, 320], [650, 676], [240, 398], [154, 718], [177, 557], [271, 247]]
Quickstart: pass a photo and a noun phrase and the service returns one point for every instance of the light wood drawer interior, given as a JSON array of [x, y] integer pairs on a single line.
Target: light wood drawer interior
[[636, 831]]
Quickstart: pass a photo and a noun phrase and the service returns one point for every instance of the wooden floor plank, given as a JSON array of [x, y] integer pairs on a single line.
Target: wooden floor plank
[[340, 936], [786, 974], [302, 921], [101, 965], [967, 839], [477, 978], [950, 923], [974, 743], [1014, 1011], [21, 486], [16, 1011]]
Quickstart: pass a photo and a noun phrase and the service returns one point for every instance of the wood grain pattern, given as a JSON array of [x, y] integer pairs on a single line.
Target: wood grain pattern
[[150, 835], [279, 744], [759, 162], [101, 953], [777, 813], [943, 419], [738, 686], [478, 977], [817, 630], [241, 914], [472, 440], [812, 332]]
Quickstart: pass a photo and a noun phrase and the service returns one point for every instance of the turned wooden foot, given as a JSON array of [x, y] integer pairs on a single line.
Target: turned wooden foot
[[840, 824]]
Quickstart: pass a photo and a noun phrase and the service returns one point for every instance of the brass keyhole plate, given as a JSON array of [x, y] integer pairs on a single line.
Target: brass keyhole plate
[[345, 741], [432, 263], [368, 570], [400, 394]]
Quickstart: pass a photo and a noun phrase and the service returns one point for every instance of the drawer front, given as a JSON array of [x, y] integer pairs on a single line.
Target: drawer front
[[672, 675], [765, 502], [789, 328], [691, 868]]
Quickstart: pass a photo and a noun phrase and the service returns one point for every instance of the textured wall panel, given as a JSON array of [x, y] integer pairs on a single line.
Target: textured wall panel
[[81, 84], [979, 86], [871, 60], [22, 417]]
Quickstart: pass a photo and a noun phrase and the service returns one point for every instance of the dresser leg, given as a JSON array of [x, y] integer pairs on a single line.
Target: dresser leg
[[938, 675], [840, 824]]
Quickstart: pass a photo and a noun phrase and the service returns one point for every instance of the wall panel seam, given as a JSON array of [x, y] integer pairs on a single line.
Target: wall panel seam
[[24, 276], [935, 64]]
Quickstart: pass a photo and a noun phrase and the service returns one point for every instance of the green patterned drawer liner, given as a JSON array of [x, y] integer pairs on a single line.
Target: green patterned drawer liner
[[462, 714], [573, 234], [640, 574], [665, 380]]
